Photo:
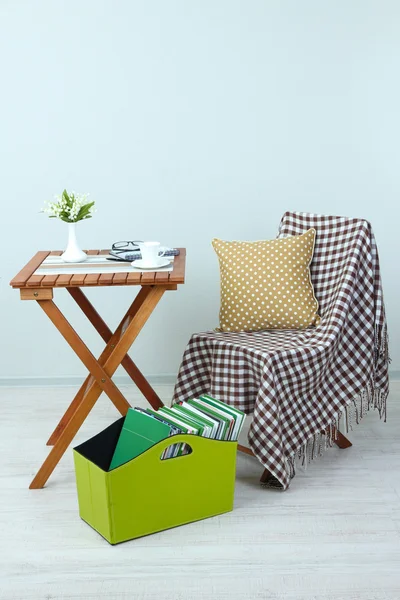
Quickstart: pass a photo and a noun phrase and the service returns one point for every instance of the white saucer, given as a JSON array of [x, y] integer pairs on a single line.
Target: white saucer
[[140, 264]]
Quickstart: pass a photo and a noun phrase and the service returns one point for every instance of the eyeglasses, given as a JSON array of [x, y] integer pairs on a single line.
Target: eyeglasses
[[119, 247], [126, 245]]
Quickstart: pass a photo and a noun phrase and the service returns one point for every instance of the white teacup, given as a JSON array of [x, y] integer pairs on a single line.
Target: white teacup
[[151, 252]]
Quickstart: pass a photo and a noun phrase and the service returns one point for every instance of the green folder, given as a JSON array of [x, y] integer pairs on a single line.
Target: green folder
[[224, 422], [238, 415], [222, 412], [182, 423], [199, 421], [175, 450], [139, 432]]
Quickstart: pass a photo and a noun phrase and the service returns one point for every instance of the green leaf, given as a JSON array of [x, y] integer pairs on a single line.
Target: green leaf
[[84, 211]]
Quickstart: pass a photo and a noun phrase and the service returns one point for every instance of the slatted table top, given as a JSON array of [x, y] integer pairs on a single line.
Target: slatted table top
[[26, 278]]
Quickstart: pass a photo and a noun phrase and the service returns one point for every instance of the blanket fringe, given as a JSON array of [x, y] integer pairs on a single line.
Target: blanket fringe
[[316, 445], [382, 345]]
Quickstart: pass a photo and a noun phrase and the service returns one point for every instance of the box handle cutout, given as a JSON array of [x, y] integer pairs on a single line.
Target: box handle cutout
[[186, 447]]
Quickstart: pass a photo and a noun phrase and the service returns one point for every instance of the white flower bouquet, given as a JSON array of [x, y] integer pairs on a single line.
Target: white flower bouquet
[[70, 207]]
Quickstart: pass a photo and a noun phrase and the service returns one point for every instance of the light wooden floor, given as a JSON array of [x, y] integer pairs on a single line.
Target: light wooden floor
[[334, 535]]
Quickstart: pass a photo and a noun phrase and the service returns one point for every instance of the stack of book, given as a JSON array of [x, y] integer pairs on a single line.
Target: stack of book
[[204, 416]]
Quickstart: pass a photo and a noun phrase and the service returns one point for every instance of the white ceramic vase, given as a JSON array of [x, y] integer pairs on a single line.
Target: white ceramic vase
[[73, 253]]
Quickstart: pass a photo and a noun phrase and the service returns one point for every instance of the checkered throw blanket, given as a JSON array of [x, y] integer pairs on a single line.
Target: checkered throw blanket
[[299, 383]]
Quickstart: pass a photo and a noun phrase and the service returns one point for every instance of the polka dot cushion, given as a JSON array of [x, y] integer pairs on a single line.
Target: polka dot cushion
[[267, 284]]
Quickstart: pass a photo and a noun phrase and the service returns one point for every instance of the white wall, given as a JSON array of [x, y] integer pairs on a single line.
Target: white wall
[[185, 121]]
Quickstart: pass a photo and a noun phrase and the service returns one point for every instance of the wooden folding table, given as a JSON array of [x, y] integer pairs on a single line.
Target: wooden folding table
[[40, 288]]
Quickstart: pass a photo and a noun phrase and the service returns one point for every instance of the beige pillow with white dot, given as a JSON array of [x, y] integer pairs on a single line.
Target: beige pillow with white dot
[[267, 284]]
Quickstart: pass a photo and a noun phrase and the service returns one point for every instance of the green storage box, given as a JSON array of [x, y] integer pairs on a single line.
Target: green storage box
[[147, 494]]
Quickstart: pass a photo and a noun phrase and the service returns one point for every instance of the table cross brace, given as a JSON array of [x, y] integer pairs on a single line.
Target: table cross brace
[[128, 364], [100, 370]]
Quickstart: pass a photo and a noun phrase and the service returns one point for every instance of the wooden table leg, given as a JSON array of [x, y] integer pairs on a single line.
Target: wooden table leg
[[341, 441], [266, 476], [92, 394], [245, 450], [132, 310], [76, 343], [69, 412], [101, 327]]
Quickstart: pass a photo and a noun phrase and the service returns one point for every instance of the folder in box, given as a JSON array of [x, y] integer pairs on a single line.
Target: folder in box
[[139, 432]]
